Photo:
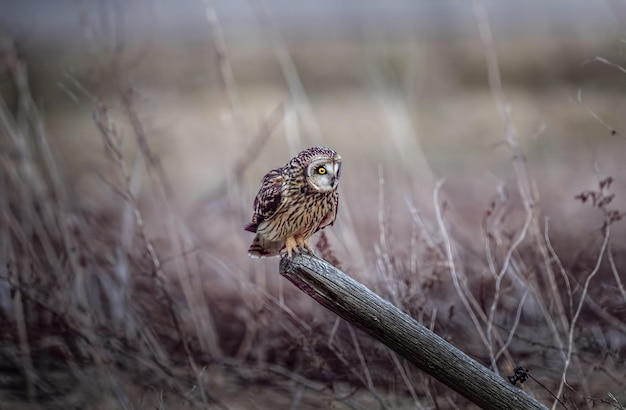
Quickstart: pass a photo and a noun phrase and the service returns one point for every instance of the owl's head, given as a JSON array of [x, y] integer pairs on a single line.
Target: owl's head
[[323, 169]]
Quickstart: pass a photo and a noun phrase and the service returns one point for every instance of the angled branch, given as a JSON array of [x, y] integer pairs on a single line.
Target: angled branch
[[363, 308]]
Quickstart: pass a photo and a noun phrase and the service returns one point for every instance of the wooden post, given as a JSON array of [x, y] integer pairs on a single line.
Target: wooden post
[[363, 308]]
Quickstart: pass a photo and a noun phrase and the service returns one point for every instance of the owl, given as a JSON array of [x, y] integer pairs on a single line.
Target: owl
[[294, 202]]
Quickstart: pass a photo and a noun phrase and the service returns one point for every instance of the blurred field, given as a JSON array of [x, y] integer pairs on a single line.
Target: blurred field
[[127, 179]]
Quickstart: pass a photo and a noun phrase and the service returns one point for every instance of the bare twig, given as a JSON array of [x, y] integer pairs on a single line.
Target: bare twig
[[299, 96], [226, 71], [253, 150], [585, 289], [405, 378], [526, 185], [518, 314], [452, 266], [339, 355], [616, 274], [499, 277]]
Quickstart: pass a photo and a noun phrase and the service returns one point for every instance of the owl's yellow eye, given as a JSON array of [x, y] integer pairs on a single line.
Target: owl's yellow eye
[[321, 170]]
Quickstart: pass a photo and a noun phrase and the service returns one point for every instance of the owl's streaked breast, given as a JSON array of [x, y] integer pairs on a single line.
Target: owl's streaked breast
[[302, 213]]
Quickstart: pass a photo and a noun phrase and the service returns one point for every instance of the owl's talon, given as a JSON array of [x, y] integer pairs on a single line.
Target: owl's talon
[[286, 254], [290, 246], [308, 248]]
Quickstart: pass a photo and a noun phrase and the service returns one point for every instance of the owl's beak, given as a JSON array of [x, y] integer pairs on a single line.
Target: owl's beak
[[337, 165]]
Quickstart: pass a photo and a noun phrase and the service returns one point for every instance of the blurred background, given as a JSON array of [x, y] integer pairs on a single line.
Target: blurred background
[[402, 83], [224, 90]]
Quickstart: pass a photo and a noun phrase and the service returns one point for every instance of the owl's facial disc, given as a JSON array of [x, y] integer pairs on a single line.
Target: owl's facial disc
[[324, 175]]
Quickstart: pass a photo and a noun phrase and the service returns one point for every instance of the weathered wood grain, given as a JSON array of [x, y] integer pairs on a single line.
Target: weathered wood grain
[[363, 308]]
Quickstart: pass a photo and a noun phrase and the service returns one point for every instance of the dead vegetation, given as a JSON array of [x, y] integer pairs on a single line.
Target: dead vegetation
[[133, 304]]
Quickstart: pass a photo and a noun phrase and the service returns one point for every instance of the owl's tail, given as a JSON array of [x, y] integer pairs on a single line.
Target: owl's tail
[[264, 248]]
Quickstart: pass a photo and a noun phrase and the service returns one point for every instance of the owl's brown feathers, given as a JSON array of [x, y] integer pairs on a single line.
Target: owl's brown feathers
[[268, 199], [294, 202]]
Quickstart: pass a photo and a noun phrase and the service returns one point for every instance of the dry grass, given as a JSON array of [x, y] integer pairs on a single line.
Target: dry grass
[[112, 297]]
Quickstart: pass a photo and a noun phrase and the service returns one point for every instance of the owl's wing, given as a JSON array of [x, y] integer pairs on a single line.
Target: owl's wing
[[268, 200]]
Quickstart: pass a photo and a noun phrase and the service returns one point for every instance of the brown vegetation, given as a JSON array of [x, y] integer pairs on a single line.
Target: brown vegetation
[[112, 297]]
